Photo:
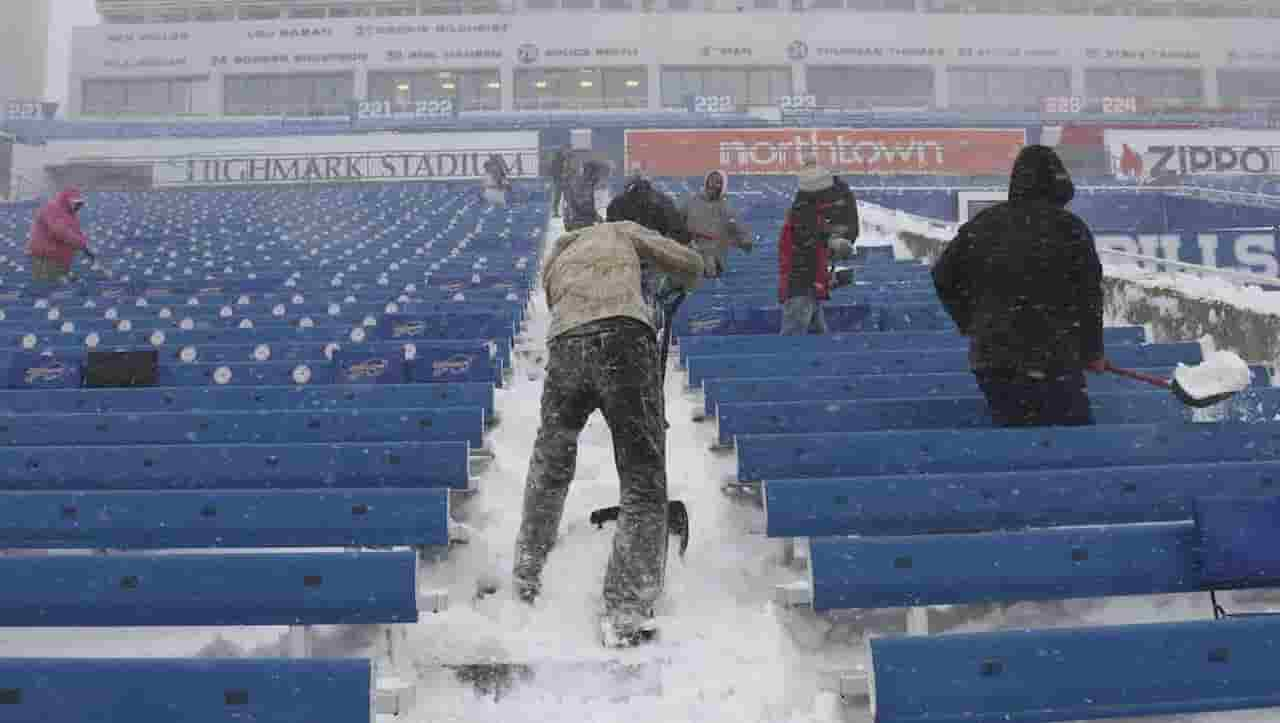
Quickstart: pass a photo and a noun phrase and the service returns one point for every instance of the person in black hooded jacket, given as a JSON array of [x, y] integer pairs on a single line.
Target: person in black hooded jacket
[[580, 195], [1023, 281]]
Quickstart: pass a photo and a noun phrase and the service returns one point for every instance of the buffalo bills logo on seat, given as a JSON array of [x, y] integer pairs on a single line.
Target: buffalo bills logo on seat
[[454, 365], [410, 328], [371, 369], [52, 373]]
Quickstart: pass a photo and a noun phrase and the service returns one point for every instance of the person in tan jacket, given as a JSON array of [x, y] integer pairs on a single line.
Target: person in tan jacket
[[603, 355]]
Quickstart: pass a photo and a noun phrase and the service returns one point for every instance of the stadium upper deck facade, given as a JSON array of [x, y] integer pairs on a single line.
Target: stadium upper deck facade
[[24, 44], [321, 57]]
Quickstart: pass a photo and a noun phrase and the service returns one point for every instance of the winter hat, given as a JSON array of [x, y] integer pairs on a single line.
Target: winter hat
[[641, 203], [814, 178]]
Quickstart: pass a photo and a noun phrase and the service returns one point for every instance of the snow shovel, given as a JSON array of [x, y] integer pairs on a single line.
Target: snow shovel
[[669, 315], [1199, 400], [677, 520], [677, 513]]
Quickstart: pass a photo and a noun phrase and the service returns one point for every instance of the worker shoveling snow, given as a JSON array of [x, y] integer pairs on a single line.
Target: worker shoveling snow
[[1219, 376]]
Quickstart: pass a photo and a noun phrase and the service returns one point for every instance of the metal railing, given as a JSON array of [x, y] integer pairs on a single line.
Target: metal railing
[[24, 188], [1244, 198]]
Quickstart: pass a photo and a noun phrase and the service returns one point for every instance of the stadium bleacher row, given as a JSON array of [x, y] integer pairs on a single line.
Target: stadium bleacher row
[[328, 360], [328, 365]]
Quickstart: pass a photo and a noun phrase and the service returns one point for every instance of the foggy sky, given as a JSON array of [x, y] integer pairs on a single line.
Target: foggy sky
[[64, 15]]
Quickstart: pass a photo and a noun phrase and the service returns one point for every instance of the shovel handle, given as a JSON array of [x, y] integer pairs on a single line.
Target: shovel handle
[[1139, 376]]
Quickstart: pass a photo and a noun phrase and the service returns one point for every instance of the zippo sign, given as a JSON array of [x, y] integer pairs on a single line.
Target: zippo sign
[[1147, 155]]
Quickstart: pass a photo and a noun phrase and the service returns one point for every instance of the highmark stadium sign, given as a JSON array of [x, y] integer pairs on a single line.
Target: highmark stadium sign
[[338, 167]]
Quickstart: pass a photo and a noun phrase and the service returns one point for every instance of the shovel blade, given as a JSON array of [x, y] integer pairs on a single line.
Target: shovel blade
[[1198, 402]]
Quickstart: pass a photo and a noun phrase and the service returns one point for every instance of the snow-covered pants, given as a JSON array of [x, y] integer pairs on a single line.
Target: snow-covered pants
[[610, 365], [803, 315]]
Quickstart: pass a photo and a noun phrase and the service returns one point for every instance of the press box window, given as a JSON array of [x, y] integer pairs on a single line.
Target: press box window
[[1021, 89], [581, 88], [746, 86], [156, 96], [871, 86], [470, 90], [288, 94]]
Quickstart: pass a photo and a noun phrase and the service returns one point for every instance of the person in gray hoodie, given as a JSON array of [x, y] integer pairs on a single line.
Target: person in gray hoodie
[[713, 225]]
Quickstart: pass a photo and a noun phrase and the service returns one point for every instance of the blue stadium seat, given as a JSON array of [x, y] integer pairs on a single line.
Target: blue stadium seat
[[954, 502], [765, 457], [220, 398], [1100, 672], [441, 424], [707, 345], [128, 589], [196, 691], [931, 413], [818, 364], [1004, 566], [237, 466], [890, 386], [213, 519]]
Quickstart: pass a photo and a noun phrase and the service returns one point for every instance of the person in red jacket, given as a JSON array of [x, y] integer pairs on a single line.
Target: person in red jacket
[[56, 237], [821, 226]]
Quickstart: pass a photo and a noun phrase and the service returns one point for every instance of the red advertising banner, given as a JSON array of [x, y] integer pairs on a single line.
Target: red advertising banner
[[942, 151]]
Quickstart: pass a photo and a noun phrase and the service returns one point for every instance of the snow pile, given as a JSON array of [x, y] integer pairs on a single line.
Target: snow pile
[[1223, 372], [903, 222], [881, 226], [1240, 296]]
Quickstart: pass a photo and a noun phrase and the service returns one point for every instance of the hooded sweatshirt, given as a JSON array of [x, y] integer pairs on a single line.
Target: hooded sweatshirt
[[55, 233], [713, 225], [1022, 278]]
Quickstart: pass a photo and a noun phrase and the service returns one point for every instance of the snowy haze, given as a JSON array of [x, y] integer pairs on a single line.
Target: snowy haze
[[726, 655], [63, 16]]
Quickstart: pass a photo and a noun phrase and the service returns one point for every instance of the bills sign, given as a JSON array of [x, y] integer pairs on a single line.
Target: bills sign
[[1252, 251], [1154, 155], [848, 151]]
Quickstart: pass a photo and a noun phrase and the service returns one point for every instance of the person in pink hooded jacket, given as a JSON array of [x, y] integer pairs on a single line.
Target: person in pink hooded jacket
[[56, 237]]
